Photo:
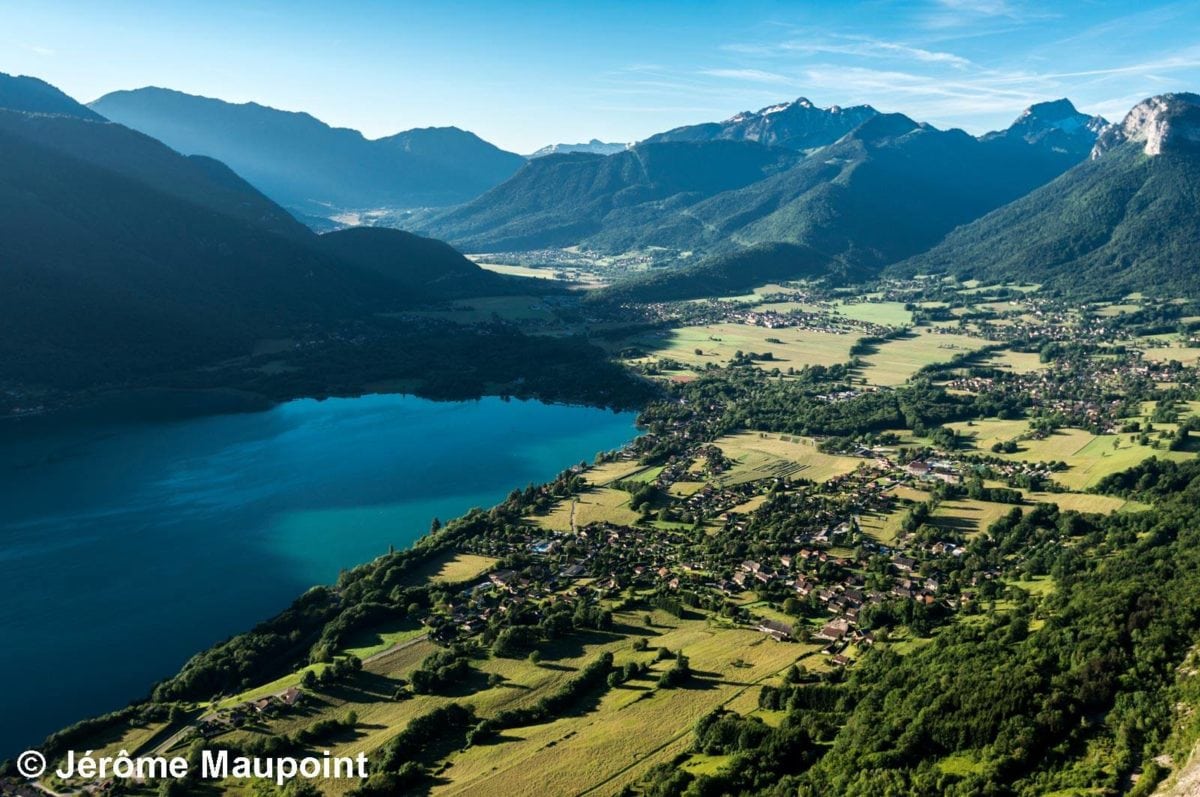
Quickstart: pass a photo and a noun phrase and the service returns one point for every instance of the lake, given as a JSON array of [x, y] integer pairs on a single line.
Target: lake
[[125, 548]]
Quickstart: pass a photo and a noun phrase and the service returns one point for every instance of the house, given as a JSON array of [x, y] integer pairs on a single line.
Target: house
[[905, 564], [918, 469], [780, 632], [504, 578], [834, 630]]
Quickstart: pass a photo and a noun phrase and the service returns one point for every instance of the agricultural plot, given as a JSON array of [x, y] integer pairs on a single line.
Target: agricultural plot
[[1018, 362], [595, 752], [580, 277], [1086, 502], [968, 516], [883, 528], [452, 568], [609, 472], [759, 455], [1089, 457], [897, 360], [718, 343], [891, 314], [1174, 350], [597, 505]]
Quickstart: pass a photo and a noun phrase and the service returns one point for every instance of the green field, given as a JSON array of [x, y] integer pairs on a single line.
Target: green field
[[596, 752], [890, 314], [967, 515], [759, 455], [596, 505], [1089, 457], [897, 360], [718, 343]]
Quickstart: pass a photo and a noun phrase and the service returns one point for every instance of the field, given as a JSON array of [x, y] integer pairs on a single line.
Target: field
[[596, 752], [968, 516], [596, 505], [1019, 362], [588, 750], [890, 314], [581, 277], [718, 343], [760, 454], [883, 528], [1089, 457], [1086, 502], [897, 360], [455, 568], [1175, 351]]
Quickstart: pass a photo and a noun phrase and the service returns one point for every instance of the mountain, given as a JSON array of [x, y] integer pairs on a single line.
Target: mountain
[[1125, 220], [29, 94], [889, 189], [595, 146], [886, 190], [796, 125], [308, 166], [125, 260], [561, 200], [1056, 125]]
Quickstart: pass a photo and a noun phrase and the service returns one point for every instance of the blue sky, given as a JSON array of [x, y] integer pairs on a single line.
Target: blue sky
[[523, 74]]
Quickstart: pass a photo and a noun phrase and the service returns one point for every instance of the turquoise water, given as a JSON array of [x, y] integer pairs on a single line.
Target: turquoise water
[[126, 548]]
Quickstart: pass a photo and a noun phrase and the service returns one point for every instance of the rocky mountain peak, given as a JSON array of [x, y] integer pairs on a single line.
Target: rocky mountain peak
[[1160, 123]]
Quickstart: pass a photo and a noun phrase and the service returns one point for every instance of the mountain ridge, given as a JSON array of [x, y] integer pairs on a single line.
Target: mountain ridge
[[312, 167], [1124, 220]]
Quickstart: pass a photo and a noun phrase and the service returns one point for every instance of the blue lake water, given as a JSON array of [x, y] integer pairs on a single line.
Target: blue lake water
[[125, 548]]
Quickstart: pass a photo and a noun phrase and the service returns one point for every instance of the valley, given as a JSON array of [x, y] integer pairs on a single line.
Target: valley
[[818, 450], [930, 476]]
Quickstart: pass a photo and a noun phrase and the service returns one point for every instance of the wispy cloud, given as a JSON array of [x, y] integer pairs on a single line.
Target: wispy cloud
[[855, 46], [38, 49], [751, 75], [946, 14]]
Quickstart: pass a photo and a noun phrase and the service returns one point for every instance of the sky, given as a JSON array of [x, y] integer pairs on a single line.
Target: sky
[[526, 74]]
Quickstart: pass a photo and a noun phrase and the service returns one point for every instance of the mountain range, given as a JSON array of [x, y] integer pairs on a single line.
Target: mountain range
[[796, 125], [309, 167], [1125, 220], [123, 258], [885, 190], [569, 199]]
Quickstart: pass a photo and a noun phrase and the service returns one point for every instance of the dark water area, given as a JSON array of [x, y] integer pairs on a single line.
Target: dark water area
[[126, 547]]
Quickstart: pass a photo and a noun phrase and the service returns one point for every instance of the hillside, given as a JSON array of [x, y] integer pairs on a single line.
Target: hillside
[[796, 125], [723, 274], [889, 189], [29, 94], [560, 200], [308, 166], [1124, 221], [126, 261]]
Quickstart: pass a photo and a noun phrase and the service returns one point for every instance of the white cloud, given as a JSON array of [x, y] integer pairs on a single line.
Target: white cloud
[[752, 75], [854, 46]]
